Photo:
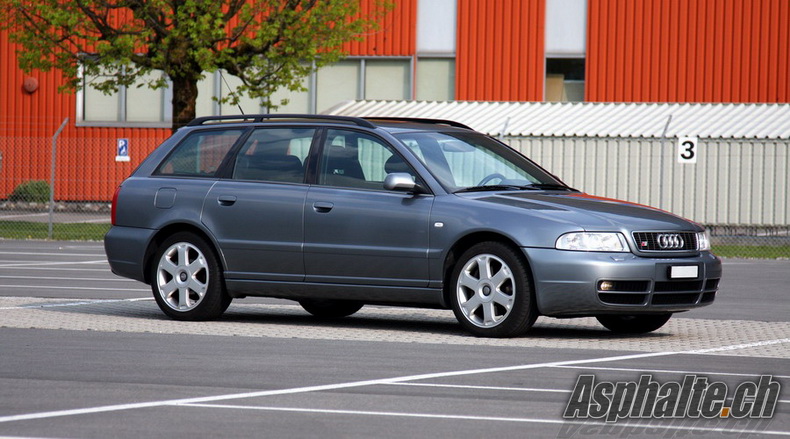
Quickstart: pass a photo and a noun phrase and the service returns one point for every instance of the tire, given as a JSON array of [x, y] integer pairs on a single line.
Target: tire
[[187, 279], [497, 301], [633, 324], [330, 309]]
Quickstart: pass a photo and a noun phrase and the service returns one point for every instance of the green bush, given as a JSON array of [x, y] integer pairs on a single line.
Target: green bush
[[31, 191]]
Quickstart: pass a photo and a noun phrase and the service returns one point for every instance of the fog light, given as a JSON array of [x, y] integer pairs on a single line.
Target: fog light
[[605, 286]]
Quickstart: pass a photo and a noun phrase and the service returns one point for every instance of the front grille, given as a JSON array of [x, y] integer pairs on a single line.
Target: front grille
[[665, 241], [689, 285], [622, 299], [675, 299], [708, 297], [711, 284]]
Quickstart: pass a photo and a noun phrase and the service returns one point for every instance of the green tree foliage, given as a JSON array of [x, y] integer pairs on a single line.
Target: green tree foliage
[[268, 44]]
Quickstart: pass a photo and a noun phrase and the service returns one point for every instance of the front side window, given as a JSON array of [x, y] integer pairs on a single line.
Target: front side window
[[274, 154], [200, 154], [467, 160], [357, 160]]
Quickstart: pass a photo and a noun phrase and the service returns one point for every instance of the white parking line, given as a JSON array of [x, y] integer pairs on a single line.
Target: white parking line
[[50, 254], [24, 267], [44, 287], [80, 303], [36, 264], [679, 372], [107, 279], [629, 425], [330, 387], [464, 386]]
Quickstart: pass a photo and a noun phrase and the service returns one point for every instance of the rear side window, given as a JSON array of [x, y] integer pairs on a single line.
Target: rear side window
[[274, 154], [200, 154]]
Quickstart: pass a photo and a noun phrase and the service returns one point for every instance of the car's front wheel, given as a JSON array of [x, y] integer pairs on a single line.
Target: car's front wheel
[[633, 324], [187, 279], [491, 294], [330, 309]]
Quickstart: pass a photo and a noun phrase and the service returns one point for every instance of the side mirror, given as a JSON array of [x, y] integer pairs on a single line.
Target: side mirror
[[402, 182]]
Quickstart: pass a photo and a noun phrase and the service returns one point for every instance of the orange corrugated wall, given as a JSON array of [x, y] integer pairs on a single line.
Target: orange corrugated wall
[[500, 50], [688, 51], [86, 167], [396, 35]]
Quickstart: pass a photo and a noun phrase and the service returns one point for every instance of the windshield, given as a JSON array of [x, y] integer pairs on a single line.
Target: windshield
[[470, 161]]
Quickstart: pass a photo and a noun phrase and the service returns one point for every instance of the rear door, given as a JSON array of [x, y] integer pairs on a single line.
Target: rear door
[[357, 232], [256, 215]]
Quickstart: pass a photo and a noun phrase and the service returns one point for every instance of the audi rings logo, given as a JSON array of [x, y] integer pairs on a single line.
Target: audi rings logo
[[670, 241]]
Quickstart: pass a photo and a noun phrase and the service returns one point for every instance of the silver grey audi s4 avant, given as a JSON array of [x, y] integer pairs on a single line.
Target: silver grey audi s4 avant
[[338, 212]]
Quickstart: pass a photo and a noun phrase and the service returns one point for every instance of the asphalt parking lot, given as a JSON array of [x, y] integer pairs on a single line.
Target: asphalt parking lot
[[86, 354]]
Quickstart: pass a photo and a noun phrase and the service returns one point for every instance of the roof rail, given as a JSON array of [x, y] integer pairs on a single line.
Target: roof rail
[[262, 117], [451, 123]]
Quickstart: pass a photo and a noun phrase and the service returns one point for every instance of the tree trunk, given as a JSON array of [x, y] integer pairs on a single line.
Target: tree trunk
[[185, 92]]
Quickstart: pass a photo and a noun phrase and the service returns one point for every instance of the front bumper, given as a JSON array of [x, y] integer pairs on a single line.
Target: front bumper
[[568, 283]]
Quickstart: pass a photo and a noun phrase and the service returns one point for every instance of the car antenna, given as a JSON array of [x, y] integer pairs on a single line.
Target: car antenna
[[228, 85]]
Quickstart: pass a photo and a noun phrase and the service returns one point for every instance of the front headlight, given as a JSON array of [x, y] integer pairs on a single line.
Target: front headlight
[[592, 242], [703, 241]]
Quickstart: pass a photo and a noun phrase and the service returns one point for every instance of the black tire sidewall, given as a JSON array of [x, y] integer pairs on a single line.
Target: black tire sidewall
[[524, 312], [216, 299]]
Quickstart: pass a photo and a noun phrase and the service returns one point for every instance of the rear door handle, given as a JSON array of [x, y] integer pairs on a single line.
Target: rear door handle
[[322, 206], [226, 200]]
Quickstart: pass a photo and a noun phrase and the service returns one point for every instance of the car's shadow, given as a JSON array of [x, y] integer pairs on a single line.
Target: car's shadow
[[369, 318]]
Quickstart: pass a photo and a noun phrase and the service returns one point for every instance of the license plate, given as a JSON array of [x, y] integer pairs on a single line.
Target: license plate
[[684, 272]]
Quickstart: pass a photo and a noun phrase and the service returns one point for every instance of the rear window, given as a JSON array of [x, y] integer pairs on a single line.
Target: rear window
[[200, 154]]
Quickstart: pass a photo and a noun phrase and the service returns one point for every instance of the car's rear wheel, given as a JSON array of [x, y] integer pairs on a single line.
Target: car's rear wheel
[[187, 279], [634, 324], [491, 294], [330, 309]]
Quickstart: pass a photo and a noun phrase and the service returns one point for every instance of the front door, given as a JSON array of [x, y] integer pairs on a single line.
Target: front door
[[356, 232]]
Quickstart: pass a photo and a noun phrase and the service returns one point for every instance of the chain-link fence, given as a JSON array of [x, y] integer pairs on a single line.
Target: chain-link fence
[[61, 187], [86, 172]]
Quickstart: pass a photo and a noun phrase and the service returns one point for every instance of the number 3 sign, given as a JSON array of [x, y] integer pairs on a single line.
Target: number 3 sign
[[687, 150]]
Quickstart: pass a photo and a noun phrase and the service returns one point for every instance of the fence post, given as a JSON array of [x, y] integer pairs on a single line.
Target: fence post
[[52, 177]]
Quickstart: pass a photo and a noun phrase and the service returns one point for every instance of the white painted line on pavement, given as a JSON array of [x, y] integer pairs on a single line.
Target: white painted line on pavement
[[24, 267], [37, 264], [464, 386], [44, 287], [739, 346], [78, 303], [51, 254], [329, 387], [108, 279], [679, 372], [630, 425]]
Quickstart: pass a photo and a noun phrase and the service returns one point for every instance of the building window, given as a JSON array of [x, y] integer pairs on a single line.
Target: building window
[[135, 105], [435, 79], [564, 79]]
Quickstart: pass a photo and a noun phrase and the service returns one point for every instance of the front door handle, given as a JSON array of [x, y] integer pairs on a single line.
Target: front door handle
[[226, 200], [322, 206]]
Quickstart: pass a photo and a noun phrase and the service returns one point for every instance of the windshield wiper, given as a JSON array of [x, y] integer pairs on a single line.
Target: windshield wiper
[[497, 187], [552, 186]]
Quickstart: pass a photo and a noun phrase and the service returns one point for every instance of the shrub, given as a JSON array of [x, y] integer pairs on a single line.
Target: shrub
[[31, 191]]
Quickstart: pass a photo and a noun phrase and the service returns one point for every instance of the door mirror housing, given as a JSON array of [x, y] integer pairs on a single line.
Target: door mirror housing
[[402, 182]]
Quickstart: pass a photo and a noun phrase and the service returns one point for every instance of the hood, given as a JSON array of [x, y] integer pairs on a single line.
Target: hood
[[592, 213]]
